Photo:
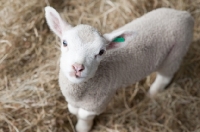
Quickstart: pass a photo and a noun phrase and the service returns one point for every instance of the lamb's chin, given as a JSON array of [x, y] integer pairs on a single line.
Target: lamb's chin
[[77, 80]]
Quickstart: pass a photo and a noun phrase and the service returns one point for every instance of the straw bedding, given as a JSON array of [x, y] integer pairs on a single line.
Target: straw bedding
[[30, 98]]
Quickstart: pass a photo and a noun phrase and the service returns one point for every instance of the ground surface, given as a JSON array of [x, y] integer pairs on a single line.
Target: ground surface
[[30, 99]]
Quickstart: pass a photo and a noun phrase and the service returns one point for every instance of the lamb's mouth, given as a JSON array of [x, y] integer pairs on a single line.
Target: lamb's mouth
[[76, 75]]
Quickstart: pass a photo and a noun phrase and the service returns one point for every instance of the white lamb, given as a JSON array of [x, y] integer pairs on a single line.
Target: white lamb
[[94, 66]]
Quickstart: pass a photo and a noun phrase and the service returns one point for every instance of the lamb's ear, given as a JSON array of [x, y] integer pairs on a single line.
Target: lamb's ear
[[55, 22], [119, 39]]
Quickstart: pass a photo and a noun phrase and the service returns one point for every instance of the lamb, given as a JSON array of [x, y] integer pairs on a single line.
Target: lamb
[[93, 66]]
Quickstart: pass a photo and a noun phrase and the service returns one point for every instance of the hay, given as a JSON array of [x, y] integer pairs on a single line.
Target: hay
[[30, 99]]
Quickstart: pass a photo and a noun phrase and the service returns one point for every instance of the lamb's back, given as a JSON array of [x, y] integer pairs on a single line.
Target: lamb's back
[[156, 33]]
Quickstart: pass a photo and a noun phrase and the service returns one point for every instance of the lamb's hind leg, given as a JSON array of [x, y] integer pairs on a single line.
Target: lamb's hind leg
[[166, 72], [165, 75], [159, 84]]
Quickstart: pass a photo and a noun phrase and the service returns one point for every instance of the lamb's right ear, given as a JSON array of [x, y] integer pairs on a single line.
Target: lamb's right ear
[[55, 22]]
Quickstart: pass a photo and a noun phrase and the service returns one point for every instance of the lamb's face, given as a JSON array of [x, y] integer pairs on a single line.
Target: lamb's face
[[82, 49]]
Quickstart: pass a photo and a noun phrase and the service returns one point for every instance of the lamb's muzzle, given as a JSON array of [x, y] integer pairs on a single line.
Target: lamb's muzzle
[[78, 68]]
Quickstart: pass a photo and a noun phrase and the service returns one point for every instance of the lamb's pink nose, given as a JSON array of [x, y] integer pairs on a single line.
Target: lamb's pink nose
[[78, 67]]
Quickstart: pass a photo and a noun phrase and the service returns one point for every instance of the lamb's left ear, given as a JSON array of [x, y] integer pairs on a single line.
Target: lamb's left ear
[[119, 39]]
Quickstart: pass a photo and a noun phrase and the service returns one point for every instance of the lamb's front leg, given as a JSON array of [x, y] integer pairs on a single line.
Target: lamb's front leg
[[73, 110], [85, 120]]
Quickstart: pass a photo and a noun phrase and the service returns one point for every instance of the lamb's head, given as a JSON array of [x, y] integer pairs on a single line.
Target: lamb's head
[[81, 52], [82, 46]]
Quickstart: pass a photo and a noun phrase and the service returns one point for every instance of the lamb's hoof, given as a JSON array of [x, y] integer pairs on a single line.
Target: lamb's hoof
[[152, 94], [83, 129], [84, 126]]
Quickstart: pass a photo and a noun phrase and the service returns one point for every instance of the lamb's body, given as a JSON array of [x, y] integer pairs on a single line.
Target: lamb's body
[[89, 79], [162, 39]]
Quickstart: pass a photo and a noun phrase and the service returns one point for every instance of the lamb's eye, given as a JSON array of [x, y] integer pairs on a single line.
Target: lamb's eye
[[101, 52], [64, 43]]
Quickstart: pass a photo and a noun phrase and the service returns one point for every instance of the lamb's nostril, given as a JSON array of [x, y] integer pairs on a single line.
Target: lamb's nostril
[[81, 69], [78, 67]]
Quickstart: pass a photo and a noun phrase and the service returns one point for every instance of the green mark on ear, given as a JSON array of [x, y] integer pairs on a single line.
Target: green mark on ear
[[119, 39]]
